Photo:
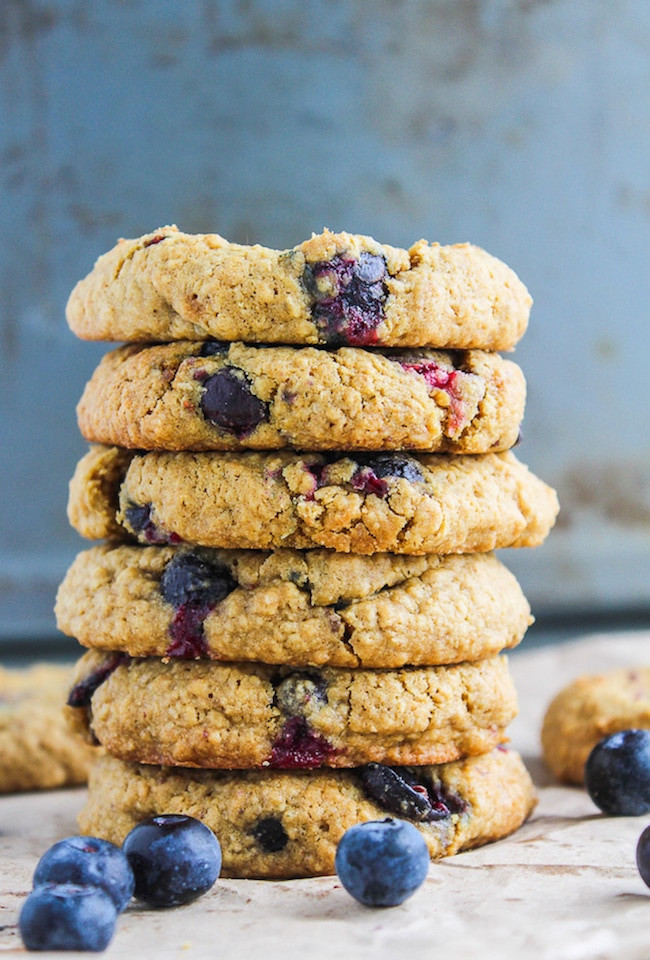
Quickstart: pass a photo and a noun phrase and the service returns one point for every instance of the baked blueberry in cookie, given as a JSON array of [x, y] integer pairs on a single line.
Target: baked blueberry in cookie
[[370, 474], [228, 402], [270, 835], [348, 297], [194, 586], [82, 692], [401, 793], [140, 520], [298, 747]]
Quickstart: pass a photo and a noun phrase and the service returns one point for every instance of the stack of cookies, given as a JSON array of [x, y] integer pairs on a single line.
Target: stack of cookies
[[300, 466]]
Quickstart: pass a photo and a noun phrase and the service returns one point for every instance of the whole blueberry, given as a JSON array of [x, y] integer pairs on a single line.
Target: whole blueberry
[[382, 862], [88, 861], [190, 577], [174, 859], [617, 773], [66, 916], [643, 856]]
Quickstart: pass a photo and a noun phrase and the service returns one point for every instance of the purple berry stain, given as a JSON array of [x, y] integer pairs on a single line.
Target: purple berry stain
[[348, 297], [449, 381], [194, 585], [298, 747]]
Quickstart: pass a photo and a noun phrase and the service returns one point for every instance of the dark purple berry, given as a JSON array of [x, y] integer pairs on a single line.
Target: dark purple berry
[[394, 465], [348, 297], [228, 402], [140, 520], [382, 862], [88, 861], [617, 774], [298, 747], [67, 916], [643, 856], [174, 858], [392, 792], [82, 692], [270, 835], [213, 348], [191, 578]]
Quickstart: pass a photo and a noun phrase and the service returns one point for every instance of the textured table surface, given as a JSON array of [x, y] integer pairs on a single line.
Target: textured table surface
[[564, 887]]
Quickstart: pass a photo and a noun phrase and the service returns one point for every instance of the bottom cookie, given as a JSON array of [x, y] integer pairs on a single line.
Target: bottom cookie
[[37, 749], [275, 825]]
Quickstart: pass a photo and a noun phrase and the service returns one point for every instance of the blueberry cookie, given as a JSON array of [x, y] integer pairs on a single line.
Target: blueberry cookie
[[372, 503], [304, 608], [37, 749], [334, 289], [198, 713], [215, 396], [590, 708], [274, 825]]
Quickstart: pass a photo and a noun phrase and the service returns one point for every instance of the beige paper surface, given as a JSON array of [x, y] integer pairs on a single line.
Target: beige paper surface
[[564, 887]]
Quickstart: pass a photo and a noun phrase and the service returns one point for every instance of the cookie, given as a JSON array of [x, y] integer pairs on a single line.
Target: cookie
[[198, 713], [274, 825], [37, 749], [381, 503], [590, 708], [215, 396], [309, 608], [336, 289]]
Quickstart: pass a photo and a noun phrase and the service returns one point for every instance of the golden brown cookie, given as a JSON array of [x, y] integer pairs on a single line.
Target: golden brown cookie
[[198, 713], [590, 708], [274, 824], [372, 503], [336, 289], [304, 608], [215, 396], [37, 748]]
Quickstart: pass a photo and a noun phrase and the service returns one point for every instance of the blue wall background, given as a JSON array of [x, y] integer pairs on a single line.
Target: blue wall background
[[521, 125]]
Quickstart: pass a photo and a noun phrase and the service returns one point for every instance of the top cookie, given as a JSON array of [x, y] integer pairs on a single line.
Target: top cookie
[[336, 288]]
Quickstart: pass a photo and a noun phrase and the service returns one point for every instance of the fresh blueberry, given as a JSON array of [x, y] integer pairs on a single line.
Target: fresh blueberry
[[88, 861], [270, 834], [191, 578], [617, 774], [382, 862], [66, 916], [643, 856], [174, 858], [228, 402]]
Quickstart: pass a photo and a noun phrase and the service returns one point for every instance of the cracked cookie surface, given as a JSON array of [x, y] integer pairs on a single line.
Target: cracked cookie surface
[[335, 288], [287, 824], [38, 750], [592, 707], [199, 713], [385, 502], [303, 608], [215, 396]]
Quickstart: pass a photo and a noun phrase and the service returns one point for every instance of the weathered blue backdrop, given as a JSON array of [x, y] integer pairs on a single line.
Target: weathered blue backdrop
[[522, 126]]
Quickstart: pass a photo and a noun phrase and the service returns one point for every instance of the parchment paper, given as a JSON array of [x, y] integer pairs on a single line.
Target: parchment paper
[[564, 887]]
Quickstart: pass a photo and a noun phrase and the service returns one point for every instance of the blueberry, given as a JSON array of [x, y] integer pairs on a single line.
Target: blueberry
[[190, 578], [82, 692], [174, 859], [643, 856], [213, 348], [66, 916], [270, 835], [617, 773], [228, 402], [88, 861], [348, 297], [382, 862], [393, 465], [392, 792]]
